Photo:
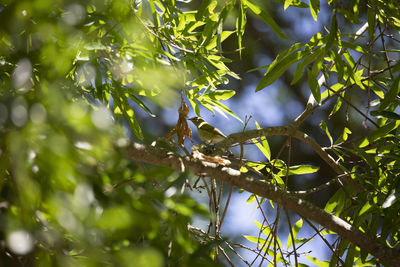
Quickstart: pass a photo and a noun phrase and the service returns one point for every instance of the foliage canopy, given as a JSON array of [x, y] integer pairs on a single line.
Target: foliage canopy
[[78, 77]]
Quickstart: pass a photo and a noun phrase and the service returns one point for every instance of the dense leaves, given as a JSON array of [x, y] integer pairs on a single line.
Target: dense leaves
[[78, 77]]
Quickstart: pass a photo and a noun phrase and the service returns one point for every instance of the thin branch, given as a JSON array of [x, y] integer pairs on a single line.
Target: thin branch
[[318, 188], [351, 105], [292, 237], [325, 241], [199, 230], [289, 131], [226, 256], [385, 51], [226, 206]]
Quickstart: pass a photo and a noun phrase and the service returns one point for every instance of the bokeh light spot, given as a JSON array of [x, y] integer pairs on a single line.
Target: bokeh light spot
[[38, 113], [19, 113], [101, 118], [22, 75], [20, 242], [84, 195], [74, 14]]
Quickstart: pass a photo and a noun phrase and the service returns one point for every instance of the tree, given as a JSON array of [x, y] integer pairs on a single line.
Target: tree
[[84, 182]]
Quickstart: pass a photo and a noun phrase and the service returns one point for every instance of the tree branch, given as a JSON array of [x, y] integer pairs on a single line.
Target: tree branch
[[153, 155]]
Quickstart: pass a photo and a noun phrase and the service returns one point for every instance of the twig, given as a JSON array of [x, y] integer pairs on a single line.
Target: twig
[[292, 237], [351, 105], [325, 241]]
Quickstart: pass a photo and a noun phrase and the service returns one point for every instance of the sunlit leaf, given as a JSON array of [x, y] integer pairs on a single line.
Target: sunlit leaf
[[240, 25], [251, 199], [276, 71], [386, 114], [142, 105], [295, 230], [219, 94], [314, 8], [313, 84], [318, 262], [299, 169], [344, 136], [324, 128], [266, 16], [264, 146], [255, 239]]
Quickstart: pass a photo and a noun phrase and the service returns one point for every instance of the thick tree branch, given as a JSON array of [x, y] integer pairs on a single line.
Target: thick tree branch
[[293, 132], [153, 155]]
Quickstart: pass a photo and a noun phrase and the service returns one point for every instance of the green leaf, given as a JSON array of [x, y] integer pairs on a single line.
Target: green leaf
[[275, 71], [256, 165], [251, 199], [221, 107], [324, 128], [332, 33], [386, 114], [310, 56], [318, 262], [255, 239], [354, 47], [264, 146], [314, 87], [391, 94], [203, 10], [383, 131], [261, 11], [240, 25], [258, 68], [295, 3], [209, 31], [336, 201], [351, 251], [193, 102], [348, 58], [334, 88], [128, 113], [263, 228], [299, 169], [278, 163], [336, 108], [156, 19], [357, 76], [343, 137], [287, 4], [367, 207], [213, 43], [141, 104], [295, 230], [314, 8], [279, 181], [338, 64], [133, 123], [220, 94], [366, 157]]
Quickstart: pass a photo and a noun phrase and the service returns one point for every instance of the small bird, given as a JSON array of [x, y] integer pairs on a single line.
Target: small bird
[[208, 133]]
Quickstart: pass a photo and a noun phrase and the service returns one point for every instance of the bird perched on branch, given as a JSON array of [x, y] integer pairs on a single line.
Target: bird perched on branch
[[208, 133]]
